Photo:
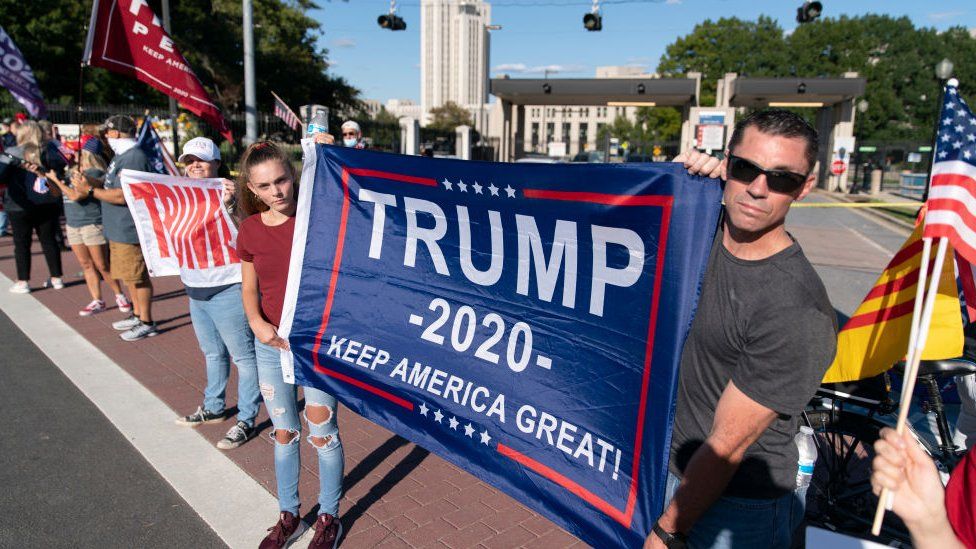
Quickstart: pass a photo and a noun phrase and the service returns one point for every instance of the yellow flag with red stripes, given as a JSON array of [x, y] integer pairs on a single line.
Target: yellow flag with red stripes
[[876, 337]]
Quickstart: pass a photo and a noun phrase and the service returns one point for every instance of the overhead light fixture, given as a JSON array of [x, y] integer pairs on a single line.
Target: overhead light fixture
[[391, 20], [631, 104], [808, 12], [796, 104], [593, 21]]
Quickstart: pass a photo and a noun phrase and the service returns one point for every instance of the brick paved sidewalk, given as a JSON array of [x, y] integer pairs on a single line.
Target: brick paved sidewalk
[[396, 493]]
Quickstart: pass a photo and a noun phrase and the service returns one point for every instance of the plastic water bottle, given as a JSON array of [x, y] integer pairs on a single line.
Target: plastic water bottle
[[808, 456], [318, 124]]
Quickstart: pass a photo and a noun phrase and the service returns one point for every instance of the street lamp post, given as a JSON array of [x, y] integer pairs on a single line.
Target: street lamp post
[[943, 71], [250, 97]]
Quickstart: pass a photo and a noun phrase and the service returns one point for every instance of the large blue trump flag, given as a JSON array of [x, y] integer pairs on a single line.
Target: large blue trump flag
[[522, 321]]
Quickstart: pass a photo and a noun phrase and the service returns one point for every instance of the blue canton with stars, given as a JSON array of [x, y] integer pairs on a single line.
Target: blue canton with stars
[[957, 131]]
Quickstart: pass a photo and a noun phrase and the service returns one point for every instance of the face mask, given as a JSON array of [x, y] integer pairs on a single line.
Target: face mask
[[350, 142], [121, 144]]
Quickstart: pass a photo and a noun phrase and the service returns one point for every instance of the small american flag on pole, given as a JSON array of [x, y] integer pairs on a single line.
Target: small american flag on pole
[[282, 111], [952, 195]]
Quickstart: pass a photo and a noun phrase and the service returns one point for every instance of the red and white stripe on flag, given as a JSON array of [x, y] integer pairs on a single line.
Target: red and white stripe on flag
[[283, 112], [952, 206]]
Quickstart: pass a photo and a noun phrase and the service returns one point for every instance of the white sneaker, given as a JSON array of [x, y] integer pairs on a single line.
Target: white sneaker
[[138, 332], [56, 283], [126, 323], [20, 287]]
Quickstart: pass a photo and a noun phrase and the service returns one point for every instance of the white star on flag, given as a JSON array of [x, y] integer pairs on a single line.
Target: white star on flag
[[477, 188], [943, 154], [423, 409], [956, 144], [971, 137], [509, 191], [463, 186], [469, 430], [484, 437], [438, 416], [945, 137], [947, 121], [967, 155], [447, 184], [453, 422], [959, 128], [493, 189]]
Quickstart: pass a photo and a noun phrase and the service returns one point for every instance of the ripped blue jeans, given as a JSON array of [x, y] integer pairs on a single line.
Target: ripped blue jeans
[[281, 401]]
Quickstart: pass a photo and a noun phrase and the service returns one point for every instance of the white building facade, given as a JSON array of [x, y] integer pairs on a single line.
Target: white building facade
[[454, 47]]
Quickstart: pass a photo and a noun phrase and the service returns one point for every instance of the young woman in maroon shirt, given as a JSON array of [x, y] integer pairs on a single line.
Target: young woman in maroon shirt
[[268, 197]]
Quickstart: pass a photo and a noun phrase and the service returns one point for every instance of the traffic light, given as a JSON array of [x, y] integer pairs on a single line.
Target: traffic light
[[808, 12], [593, 21], [392, 22]]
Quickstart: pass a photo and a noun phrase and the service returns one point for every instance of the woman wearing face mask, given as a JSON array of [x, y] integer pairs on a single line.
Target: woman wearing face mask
[[352, 135], [219, 321], [268, 196], [83, 217]]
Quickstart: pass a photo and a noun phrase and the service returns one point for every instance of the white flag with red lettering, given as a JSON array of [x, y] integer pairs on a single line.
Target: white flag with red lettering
[[183, 227]]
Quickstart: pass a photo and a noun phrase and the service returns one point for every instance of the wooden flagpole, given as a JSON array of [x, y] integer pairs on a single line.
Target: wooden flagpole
[[911, 372]]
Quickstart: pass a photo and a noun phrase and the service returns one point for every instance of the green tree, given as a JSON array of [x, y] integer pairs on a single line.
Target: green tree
[[449, 116], [896, 58], [51, 34], [713, 48]]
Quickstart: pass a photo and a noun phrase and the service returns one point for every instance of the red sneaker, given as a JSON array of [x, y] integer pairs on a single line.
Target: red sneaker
[[328, 530], [124, 305], [288, 529], [94, 307]]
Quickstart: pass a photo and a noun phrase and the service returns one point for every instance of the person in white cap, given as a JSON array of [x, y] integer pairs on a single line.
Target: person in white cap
[[352, 135], [221, 327]]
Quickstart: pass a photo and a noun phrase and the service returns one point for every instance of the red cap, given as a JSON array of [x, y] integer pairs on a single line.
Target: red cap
[[20, 117]]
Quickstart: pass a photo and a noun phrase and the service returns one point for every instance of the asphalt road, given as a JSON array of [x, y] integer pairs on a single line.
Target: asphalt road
[[68, 478]]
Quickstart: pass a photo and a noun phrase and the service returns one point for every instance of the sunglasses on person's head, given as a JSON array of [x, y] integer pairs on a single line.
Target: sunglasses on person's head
[[779, 181]]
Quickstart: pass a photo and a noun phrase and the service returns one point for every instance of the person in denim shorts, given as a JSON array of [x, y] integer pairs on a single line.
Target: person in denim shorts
[[83, 218]]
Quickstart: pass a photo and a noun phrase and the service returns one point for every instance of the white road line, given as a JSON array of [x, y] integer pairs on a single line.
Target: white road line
[[872, 243], [237, 508]]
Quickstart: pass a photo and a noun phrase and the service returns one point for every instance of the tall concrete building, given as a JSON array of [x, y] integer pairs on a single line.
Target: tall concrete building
[[454, 55]]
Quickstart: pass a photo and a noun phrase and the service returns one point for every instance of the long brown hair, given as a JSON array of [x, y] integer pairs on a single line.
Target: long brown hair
[[259, 153]]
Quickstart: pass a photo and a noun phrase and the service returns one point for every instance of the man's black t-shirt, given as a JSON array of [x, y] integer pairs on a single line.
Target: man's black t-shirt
[[768, 326]]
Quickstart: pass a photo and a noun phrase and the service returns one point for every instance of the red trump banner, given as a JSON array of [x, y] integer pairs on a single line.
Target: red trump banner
[[125, 36], [183, 227]]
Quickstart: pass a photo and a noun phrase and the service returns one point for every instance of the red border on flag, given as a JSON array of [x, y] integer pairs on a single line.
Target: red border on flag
[[624, 517]]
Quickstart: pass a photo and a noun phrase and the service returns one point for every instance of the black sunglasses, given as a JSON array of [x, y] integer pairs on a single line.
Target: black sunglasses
[[778, 180]]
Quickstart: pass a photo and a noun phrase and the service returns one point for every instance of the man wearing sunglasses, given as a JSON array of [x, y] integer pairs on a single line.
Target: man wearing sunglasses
[[763, 335]]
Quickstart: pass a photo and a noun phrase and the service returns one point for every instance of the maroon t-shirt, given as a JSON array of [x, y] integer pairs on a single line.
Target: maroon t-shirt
[[269, 249]]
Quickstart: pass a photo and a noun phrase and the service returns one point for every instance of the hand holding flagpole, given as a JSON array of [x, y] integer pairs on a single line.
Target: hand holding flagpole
[[950, 217]]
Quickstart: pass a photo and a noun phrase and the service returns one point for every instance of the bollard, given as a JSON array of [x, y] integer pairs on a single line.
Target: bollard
[[876, 176]]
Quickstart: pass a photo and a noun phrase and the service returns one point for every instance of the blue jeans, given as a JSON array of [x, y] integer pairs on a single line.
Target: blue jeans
[[4, 221], [221, 326], [745, 523], [281, 401]]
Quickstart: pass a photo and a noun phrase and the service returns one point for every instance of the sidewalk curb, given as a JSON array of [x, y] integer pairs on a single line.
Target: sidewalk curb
[[233, 504]]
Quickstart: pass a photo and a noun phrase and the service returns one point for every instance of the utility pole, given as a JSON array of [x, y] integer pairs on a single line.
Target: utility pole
[[250, 99], [172, 102]]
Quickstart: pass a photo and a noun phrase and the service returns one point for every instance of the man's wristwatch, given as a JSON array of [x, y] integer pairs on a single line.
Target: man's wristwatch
[[675, 540]]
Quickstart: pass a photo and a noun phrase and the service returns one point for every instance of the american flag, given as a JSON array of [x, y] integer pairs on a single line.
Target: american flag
[[150, 143], [952, 195], [283, 112]]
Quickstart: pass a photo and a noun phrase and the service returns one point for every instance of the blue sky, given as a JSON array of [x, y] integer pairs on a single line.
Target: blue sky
[[549, 33]]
